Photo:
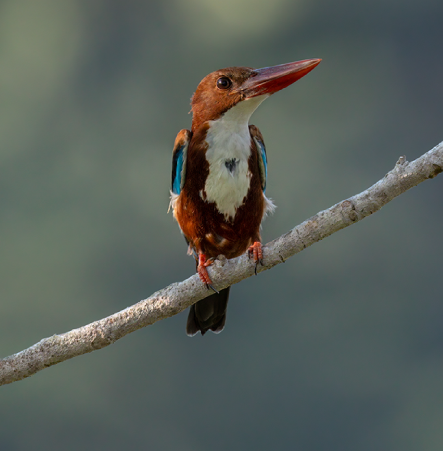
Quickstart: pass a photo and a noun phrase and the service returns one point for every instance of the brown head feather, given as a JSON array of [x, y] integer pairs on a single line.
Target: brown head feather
[[209, 102]]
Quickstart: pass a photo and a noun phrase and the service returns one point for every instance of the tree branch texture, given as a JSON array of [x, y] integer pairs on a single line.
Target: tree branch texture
[[178, 296]]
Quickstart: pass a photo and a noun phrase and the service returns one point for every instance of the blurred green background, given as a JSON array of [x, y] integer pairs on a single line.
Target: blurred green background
[[348, 355]]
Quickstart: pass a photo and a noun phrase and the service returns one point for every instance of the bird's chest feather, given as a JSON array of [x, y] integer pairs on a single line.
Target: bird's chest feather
[[227, 154]]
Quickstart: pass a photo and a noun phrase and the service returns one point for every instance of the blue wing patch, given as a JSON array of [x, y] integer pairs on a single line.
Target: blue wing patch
[[262, 161], [179, 155], [177, 171]]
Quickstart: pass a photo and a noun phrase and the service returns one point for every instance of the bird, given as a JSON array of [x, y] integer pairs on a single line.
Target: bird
[[219, 171]]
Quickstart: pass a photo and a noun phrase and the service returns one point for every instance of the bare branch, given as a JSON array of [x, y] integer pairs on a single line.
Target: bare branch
[[178, 296]]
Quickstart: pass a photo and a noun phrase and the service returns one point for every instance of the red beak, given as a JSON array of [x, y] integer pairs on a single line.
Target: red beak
[[272, 79]]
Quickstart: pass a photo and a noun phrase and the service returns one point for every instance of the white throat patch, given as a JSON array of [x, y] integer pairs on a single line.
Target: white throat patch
[[229, 148]]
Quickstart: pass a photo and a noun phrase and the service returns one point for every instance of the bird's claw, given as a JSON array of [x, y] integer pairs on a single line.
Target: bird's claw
[[210, 287], [203, 263], [255, 251]]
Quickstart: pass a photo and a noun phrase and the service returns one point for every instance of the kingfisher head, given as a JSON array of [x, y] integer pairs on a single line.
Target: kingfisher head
[[240, 90]]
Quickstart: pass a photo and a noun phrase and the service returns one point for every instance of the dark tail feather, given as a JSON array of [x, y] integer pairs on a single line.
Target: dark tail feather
[[209, 313]]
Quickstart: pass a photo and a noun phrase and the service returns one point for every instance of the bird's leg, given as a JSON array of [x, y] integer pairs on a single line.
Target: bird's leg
[[255, 251], [203, 263]]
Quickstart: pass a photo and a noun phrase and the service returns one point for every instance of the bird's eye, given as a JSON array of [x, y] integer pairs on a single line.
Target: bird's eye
[[224, 83]]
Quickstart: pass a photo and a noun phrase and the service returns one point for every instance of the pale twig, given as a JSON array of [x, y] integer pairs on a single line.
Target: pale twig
[[178, 296]]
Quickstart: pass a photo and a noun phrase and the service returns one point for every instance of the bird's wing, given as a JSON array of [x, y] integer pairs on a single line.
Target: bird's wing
[[179, 160], [261, 151]]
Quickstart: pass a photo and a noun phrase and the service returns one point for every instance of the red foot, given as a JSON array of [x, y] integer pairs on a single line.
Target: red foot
[[203, 263], [256, 251]]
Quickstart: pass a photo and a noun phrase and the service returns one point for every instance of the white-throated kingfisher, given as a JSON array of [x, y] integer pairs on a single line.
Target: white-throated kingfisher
[[219, 171]]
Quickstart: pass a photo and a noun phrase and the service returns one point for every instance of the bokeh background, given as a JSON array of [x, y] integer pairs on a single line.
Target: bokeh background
[[341, 348]]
